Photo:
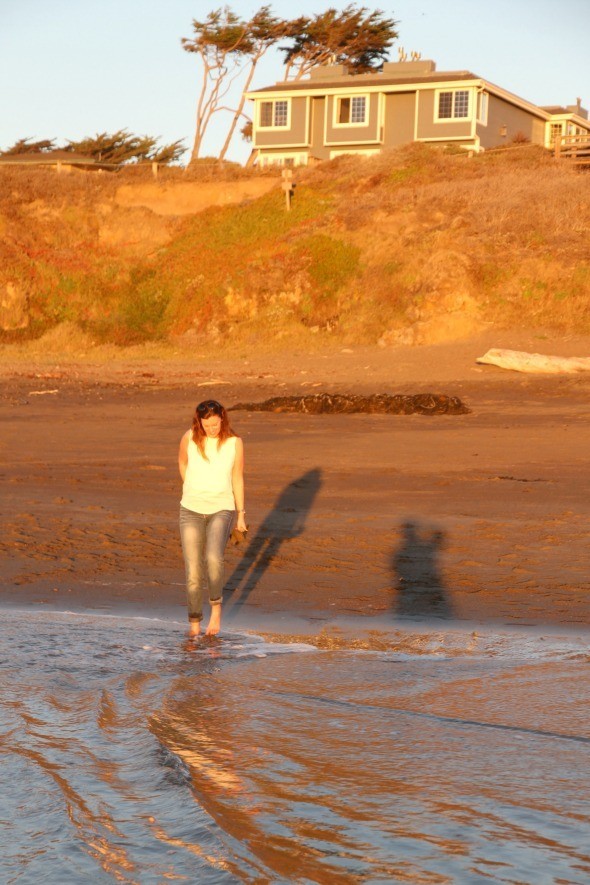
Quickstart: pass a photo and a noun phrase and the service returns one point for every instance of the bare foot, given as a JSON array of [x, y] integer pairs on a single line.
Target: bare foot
[[214, 621], [194, 629]]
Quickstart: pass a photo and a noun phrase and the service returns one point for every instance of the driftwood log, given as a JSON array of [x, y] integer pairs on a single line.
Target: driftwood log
[[376, 403], [520, 361]]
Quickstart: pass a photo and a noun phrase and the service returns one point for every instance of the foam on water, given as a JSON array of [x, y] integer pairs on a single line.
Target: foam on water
[[405, 639]]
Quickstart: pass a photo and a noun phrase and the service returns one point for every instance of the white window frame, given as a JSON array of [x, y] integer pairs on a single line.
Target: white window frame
[[454, 91], [273, 126], [483, 103], [285, 158], [336, 111], [552, 131]]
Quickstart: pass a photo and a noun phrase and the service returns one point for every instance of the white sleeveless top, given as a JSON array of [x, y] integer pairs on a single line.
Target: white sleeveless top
[[207, 485]]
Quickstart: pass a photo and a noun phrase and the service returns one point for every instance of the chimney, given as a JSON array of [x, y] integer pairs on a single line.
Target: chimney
[[578, 109], [418, 68], [328, 72]]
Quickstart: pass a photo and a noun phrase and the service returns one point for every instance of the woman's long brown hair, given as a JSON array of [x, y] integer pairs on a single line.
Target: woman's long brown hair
[[209, 409]]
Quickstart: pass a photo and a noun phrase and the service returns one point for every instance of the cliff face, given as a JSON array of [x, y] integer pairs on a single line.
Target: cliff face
[[417, 246], [70, 240]]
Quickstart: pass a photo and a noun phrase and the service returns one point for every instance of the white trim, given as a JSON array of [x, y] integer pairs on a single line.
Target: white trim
[[521, 103], [383, 89], [308, 120], [386, 88], [300, 158], [453, 119], [349, 141], [284, 144], [350, 89], [445, 138], [372, 137], [335, 107], [548, 127], [570, 118], [381, 118], [273, 101], [482, 98]]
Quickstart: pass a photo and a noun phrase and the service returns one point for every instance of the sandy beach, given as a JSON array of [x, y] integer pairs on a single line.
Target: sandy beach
[[400, 688], [480, 518]]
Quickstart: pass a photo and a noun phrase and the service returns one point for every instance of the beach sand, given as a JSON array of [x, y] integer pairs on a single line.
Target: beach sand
[[482, 518]]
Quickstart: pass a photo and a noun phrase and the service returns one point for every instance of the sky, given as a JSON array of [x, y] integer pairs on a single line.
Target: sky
[[71, 68]]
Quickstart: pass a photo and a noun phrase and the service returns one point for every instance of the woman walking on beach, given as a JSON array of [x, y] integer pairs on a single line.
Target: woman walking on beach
[[211, 464]]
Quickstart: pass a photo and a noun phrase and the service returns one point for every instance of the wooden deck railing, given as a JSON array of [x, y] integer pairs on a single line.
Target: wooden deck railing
[[574, 148]]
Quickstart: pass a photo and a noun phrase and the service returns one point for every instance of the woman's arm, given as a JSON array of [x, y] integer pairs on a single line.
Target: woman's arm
[[183, 454], [237, 482]]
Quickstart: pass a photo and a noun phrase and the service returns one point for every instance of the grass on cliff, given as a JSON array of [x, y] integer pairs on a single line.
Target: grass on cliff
[[418, 240]]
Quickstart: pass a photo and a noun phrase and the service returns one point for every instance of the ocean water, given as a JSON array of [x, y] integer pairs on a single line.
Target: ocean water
[[131, 756]]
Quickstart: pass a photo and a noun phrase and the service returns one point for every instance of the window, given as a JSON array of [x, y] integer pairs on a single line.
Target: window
[[554, 131], [291, 159], [351, 110], [482, 108], [453, 105], [274, 114]]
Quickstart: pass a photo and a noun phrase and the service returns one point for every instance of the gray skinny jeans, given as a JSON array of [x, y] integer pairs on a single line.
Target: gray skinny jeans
[[204, 537]]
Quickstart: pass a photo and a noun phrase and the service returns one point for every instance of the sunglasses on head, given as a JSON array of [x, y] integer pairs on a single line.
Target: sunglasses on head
[[209, 405]]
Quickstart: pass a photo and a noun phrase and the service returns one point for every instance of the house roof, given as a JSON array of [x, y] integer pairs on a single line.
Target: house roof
[[321, 85], [52, 158], [376, 82], [48, 157]]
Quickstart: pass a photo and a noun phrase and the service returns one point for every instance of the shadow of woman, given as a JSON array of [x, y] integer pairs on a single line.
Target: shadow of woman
[[286, 520], [421, 592]]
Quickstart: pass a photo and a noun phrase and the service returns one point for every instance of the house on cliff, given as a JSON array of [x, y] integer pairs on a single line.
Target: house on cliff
[[334, 112]]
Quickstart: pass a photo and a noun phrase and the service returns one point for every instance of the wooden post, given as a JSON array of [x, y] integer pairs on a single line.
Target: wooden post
[[557, 146], [287, 186], [155, 169]]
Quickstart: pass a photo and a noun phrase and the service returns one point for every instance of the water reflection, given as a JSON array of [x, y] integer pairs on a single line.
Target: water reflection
[[255, 789], [445, 758], [327, 770]]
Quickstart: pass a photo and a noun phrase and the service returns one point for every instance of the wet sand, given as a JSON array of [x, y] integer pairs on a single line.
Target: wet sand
[[479, 518]]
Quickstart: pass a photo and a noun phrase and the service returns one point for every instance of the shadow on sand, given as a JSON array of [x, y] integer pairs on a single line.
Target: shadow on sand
[[286, 520], [421, 592]]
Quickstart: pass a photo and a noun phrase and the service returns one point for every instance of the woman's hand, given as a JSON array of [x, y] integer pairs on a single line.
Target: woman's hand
[[241, 521]]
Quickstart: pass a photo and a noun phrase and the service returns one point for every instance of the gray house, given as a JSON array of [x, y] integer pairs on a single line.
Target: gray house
[[333, 112]]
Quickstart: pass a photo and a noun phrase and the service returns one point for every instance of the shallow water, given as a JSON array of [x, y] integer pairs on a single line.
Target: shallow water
[[131, 756]]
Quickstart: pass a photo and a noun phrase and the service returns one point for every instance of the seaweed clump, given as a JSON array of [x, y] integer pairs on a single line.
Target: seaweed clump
[[376, 404]]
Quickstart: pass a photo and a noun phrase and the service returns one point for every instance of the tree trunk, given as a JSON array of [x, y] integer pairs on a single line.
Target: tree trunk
[[206, 106], [238, 112]]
